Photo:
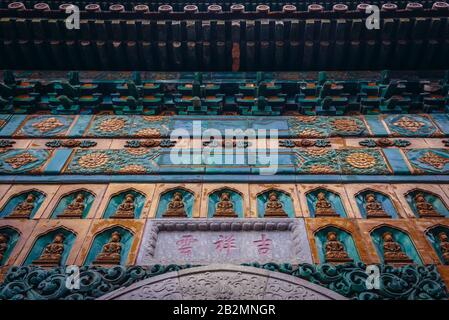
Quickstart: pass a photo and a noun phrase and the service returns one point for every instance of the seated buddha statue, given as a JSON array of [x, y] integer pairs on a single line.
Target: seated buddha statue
[[444, 246], [374, 208], [392, 250], [111, 252], [176, 207], [425, 209], [126, 209], [273, 207], [52, 254], [225, 207], [4, 238], [323, 207], [74, 209], [23, 209], [335, 250]]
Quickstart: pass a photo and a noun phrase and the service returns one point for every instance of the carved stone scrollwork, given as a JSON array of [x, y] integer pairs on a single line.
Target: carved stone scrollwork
[[283, 281]]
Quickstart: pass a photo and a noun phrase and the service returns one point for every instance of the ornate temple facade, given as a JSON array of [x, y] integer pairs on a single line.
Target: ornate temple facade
[[230, 158]]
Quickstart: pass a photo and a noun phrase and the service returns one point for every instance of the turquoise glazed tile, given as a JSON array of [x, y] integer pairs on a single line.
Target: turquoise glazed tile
[[45, 126], [410, 125], [396, 161], [57, 161], [426, 161], [362, 161], [128, 161], [442, 121], [376, 126], [80, 126], [29, 161], [11, 124]]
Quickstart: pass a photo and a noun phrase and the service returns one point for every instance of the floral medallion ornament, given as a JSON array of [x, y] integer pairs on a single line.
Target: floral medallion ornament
[[361, 160], [93, 160], [113, 161], [345, 124], [133, 169], [45, 126], [13, 161], [153, 118], [21, 160], [429, 160], [48, 124], [112, 125], [434, 160], [409, 124], [148, 133], [137, 151]]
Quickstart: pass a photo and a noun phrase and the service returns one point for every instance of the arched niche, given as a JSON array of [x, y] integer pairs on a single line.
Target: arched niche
[[400, 237], [12, 236], [433, 235], [104, 237], [69, 198], [383, 199], [431, 198], [234, 196], [17, 199], [188, 198], [43, 240], [117, 199], [332, 197], [343, 236], [283, 197]]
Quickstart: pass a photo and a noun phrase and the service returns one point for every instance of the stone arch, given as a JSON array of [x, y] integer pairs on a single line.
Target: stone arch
[[68, 197], [432, 234], [19, 197], [343, 235], [433, 198], [332, 196], [117, 198], [284, 197], [385, 200], [102, 236], [45, 238], [235, 196], [223, 282], [165, 197], [400, 236]]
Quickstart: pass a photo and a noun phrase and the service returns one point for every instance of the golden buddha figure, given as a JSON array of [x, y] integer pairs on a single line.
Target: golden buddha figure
[[392, 250], [24, 209], [4, 238], [424, 208], [74, 209], [225, 207], [274, 207], [176, 207], [111, 252], [323, 207], [126, 209], [335, 250], [444, 246], [374, 208], [52, 254]]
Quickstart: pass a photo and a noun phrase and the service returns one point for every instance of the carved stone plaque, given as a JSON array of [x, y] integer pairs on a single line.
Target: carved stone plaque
[[236, 241]]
